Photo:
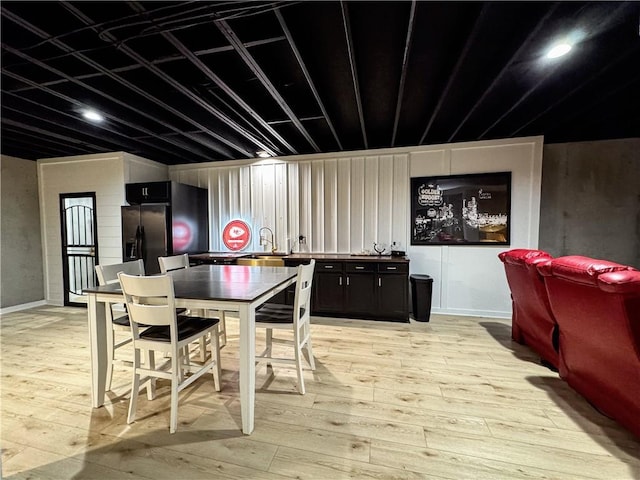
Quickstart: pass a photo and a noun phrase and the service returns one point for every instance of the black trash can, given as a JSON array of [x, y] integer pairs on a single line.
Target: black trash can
[[421, 288]]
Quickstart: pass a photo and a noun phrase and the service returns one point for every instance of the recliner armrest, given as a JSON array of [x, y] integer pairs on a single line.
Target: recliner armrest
[[625, 282]]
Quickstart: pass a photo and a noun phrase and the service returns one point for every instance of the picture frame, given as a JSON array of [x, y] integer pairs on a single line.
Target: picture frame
[[470, 209]]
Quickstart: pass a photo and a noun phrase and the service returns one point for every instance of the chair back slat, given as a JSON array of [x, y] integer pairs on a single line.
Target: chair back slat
[[150, 300], [175, 262], [109, 273]]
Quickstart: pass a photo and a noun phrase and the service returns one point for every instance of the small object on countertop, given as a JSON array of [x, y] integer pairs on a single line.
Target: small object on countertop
[[379, 248]]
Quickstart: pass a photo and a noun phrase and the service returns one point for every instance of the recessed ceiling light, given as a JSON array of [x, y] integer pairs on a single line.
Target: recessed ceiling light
[[559, 50], [92, 115], [262, 154]]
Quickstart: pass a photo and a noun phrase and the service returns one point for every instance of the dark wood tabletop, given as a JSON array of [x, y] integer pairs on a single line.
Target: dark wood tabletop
[[220, 282]]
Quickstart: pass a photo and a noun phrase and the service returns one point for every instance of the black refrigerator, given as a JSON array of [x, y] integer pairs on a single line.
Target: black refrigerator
[[163, 218]]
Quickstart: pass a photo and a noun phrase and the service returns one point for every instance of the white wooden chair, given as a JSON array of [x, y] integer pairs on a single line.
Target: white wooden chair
[[151, 301], [295, 319], [177, 262], [116, 314]]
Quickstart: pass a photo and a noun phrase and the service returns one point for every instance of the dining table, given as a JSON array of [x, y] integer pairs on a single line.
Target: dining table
[[229, 288]]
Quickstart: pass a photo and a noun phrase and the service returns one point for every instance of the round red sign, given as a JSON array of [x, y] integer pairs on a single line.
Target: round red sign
[[236, 235]]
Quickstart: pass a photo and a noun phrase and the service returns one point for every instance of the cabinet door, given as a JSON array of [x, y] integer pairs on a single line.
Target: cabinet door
[[149, 192], [360, 293], [328, 292], [392, 296]]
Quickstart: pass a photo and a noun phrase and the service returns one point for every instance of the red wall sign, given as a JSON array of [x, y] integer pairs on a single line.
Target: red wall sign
[[236, 235]]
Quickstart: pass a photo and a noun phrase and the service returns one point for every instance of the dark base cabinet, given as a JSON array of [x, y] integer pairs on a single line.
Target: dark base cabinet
[[370, 290], [347, 287]]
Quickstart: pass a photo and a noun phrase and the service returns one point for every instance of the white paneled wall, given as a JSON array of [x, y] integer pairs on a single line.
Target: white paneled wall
[[104, 174], [343, 203]]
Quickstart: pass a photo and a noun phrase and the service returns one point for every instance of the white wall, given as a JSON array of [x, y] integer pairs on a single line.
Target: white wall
[[344, 202], [105, 174], [470, 280]]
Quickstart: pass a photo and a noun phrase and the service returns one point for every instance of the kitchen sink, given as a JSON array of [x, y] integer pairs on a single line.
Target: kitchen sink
[[262, 261]]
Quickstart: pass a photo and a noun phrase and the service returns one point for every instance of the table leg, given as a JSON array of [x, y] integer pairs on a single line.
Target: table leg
[[98, 342], [247, 315]]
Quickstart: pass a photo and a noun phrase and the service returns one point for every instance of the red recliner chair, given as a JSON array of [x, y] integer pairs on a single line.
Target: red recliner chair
[[597, 306], [532, 321]]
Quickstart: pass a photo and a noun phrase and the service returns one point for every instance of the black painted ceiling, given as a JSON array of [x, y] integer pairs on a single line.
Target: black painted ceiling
[[182, 82]]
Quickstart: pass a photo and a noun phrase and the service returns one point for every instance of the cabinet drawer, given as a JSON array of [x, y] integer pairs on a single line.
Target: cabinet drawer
[[328, 267], [360, 267], [393, 267]]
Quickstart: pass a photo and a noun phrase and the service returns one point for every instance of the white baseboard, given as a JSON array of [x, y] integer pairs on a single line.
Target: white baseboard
[[24, 306], [471, 313]]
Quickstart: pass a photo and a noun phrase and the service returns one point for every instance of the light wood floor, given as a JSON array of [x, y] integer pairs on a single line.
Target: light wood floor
[[449, 399]]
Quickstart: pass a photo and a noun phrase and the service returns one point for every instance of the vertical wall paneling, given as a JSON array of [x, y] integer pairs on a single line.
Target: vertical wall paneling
[[305, 226], [203, 178], [280, 226], [214, 209], [244, 193], [330, 205], [371, 178], [317, 207], [357, 204], [343, 224], [224, 205], [400, 210], [385, 201], [293, 200], [257, 207]]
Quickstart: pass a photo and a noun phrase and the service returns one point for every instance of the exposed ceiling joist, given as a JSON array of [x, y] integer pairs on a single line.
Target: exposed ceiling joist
[[188, 82]]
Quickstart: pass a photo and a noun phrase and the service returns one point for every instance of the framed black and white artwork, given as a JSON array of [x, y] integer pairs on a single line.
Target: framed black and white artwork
[[473, 209]]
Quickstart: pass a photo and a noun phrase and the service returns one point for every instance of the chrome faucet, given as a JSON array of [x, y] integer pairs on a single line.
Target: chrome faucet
[[264, 240]]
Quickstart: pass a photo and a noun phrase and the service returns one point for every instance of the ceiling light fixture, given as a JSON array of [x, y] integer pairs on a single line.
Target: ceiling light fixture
[[92, 115], [262, 154], [559, 50]]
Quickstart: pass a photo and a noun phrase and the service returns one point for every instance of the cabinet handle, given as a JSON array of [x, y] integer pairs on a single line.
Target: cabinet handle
[[359, 268], [340, 281], [144, 191], [392, 268], [347, 281], [379, 282], [328, 266]]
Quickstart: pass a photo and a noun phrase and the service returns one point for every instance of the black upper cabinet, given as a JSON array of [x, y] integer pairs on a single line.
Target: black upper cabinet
[[148, 192]]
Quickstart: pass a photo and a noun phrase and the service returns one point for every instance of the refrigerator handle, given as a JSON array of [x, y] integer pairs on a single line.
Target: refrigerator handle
[[138, 246], [133, 252], [142, 253]]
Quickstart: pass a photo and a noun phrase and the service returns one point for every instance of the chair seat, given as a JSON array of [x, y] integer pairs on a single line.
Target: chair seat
[[122, 321], [187, 327], [276, 313]]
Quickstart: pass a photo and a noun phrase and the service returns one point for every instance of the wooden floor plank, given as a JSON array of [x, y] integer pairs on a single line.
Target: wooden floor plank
[[449, 399]]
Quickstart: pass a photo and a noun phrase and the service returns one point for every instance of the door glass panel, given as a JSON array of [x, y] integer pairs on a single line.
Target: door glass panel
[[79, 246]]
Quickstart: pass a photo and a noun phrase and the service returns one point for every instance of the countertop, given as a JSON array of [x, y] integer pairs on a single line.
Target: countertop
[[338, 257], [220, 255]]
